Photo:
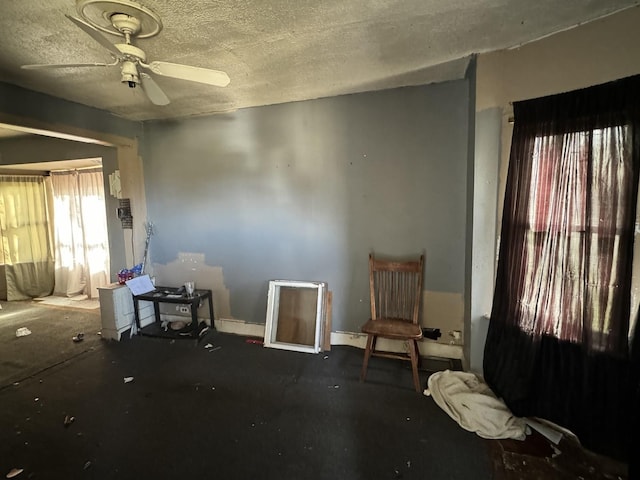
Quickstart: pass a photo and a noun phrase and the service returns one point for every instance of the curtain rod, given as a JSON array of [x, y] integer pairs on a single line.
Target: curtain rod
[[70, 170], [97, 167]]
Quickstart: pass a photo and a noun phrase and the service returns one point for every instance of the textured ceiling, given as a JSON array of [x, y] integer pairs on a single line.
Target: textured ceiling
[[277, 51]]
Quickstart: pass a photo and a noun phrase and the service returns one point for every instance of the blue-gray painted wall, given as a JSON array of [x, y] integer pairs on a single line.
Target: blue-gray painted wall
[[28, 104], [306, 190], [485, 230]]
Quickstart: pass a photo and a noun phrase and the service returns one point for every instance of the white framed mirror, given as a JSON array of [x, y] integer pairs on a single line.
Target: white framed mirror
[[295, 315]]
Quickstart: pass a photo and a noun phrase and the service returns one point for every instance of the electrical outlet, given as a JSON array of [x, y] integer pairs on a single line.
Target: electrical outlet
[[184, 309], [456, 337]]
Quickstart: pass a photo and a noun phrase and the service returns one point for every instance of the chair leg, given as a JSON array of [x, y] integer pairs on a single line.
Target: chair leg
[[413, 350], [367, 355]]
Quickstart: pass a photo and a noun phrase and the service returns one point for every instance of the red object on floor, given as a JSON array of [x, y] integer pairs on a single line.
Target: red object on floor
[[254, 341]]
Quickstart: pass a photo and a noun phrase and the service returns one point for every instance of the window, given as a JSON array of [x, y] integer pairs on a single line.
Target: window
[[569, 230]]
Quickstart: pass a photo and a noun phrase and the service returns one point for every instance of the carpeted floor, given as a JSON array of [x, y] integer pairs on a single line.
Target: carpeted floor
[[50, 342], [79, 301], [238, 410]]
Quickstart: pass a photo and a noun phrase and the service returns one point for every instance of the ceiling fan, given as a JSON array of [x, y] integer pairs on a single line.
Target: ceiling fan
[[131, 20]]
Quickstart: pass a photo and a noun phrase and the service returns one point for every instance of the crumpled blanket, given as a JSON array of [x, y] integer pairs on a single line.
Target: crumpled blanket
[[471, 403]]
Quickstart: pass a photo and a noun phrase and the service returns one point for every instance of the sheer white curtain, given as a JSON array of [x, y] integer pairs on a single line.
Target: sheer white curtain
[[81, 239], [26, 258]]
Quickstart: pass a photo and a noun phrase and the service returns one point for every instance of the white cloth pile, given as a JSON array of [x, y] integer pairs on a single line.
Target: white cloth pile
[[471, 403]]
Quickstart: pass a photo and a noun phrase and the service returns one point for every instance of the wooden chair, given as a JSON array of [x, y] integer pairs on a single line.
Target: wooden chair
[[396, 291]]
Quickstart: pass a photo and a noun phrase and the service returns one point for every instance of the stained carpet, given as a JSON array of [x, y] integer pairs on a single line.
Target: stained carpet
[[51, 339], [239, 411], [79, 301]]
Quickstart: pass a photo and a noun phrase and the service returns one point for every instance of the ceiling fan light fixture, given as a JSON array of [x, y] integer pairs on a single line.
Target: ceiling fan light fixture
[[129, 74]]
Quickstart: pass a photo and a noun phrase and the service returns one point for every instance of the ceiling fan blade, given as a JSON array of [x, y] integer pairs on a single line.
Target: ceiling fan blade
[[153, 90], [96, 35], [186, 72], [65, 65]]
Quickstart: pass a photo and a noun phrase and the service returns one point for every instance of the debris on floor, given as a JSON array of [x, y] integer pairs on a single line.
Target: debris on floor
[[68, 420], [468, 400], [14, 472], [177, 325], [538, 457], [78, 338], [431, 333], [23, 332], [128, 379], [254, 341]]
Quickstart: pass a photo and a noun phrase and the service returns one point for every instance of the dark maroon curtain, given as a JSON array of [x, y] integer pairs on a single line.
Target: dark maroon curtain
[[558, 340], [634, 423]]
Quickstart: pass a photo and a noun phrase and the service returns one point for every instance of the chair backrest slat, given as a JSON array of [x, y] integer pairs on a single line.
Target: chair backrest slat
[[396, 288]]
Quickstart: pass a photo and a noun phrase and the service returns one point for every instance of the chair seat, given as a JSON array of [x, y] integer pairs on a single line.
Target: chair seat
[[393, 328]]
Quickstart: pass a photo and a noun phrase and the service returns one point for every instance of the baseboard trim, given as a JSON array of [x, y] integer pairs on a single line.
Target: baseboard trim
[[239, 327], [428, 348], [224, 325]]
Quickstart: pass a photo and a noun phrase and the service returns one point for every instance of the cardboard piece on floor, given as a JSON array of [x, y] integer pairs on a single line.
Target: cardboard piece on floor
[[326, 344], [548, 432]]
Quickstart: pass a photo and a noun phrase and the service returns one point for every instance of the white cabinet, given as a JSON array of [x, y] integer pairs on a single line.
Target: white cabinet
[[116, 310]]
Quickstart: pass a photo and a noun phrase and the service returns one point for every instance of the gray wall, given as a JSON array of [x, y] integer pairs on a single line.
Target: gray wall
[[485, 229], [306, 190], [470, 189], [28, 104]]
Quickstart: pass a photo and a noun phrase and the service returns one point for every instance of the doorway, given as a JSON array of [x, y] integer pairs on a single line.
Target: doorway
[[78, 228]]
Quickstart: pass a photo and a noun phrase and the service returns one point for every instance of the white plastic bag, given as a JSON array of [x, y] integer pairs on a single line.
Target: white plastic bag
[[23, 332]]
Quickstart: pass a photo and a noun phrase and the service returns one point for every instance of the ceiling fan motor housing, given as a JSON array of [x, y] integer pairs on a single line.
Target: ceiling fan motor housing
[[131, 52], [130, 74], [132, 56]]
